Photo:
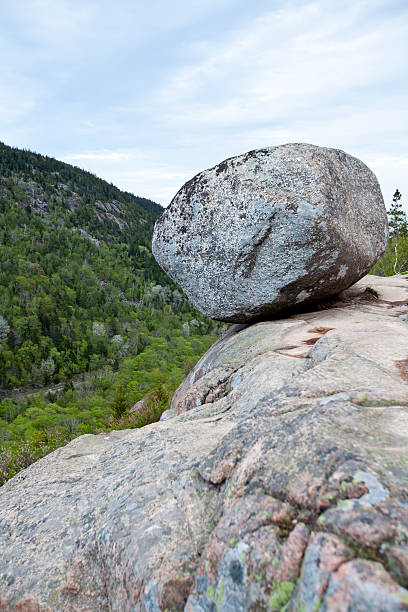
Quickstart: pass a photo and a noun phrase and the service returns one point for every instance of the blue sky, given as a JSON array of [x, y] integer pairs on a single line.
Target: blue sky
[[147, 94]]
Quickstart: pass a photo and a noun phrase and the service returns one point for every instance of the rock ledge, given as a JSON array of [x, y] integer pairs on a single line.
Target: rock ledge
[[279, 482]]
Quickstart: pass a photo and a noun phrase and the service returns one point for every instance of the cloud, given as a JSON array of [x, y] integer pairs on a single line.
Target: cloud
[[147, 95], [315, 72], [289, 63], [94, 156], [135, 171]]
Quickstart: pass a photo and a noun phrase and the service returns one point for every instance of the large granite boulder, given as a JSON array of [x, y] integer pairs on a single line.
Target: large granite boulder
[[279, 482], [271, 230]]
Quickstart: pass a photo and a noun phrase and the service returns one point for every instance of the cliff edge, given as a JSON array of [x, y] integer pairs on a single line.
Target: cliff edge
[[278, 480]]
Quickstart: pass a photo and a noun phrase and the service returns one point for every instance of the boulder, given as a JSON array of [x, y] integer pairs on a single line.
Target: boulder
[[279, 482], [139, 409], [272, 229]]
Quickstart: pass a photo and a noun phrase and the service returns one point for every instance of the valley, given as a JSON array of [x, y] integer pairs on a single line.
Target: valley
[[89, 323]]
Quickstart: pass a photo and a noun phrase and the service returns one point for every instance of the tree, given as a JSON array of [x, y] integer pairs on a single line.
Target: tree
[[120, 404], [399, 233], [395, 258], [397, 218]]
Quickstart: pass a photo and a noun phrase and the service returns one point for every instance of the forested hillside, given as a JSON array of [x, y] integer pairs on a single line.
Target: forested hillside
[[83, 306]]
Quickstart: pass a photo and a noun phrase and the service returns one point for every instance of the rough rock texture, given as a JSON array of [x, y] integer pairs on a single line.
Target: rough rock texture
[[279, 479], [273, 228]]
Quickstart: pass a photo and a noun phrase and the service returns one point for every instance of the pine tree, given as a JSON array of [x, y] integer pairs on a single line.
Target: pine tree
[[398, 233], [397, 218]]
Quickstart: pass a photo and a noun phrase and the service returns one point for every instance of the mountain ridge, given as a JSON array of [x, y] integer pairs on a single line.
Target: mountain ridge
[[9, 154], [52, 212]]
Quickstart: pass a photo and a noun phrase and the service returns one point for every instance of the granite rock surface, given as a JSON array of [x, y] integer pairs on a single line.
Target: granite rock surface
[[272, 229], [277, 482]]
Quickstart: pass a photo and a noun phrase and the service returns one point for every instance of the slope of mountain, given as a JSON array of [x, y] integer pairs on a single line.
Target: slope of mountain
[[81, 294], [44, 178]]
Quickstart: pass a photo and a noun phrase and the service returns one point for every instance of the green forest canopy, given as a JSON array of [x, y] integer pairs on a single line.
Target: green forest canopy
[[84, 309]]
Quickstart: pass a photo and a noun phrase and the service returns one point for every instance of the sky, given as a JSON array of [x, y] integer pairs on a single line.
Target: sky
[[147, 94]]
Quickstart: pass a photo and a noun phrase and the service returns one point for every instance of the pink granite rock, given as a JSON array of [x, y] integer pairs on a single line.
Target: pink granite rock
[[288, 490]]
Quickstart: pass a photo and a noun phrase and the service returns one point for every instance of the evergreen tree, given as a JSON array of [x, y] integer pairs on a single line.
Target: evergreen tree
[[120, 405], [397, 218], [395, 258], [399, 233]]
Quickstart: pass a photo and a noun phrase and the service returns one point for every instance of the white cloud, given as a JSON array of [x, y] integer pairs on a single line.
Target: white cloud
[[285, 63], [135, 171], [93, 156], [317, 72], [128, 93]]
